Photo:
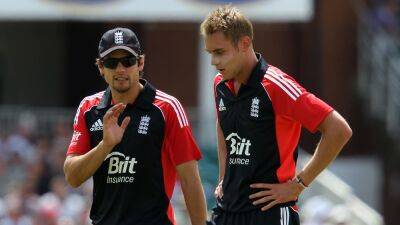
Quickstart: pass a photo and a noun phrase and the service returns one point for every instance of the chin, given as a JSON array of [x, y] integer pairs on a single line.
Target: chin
[[121, 89], [226, 76]]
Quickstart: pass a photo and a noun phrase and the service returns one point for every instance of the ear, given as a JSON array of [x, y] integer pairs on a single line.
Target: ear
[[141, 62], [100, 67], [244, 43]]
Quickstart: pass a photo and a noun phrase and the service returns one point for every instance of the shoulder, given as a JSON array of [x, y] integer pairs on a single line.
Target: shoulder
[[91, 100], [170, 107], [277, 81], [87, 103]]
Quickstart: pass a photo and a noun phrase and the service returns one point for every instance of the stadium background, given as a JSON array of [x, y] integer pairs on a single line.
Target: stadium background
[[346, 52]]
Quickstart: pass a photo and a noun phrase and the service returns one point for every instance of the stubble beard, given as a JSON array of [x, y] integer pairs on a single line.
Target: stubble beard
[[122, 89]]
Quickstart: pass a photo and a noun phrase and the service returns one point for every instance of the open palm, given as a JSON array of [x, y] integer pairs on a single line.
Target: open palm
[[112, 132]]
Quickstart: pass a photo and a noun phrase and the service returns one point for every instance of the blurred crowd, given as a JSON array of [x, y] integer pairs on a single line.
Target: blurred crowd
[[33, 190]]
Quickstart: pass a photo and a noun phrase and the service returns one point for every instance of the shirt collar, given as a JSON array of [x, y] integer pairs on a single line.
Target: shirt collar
[[258, 71]]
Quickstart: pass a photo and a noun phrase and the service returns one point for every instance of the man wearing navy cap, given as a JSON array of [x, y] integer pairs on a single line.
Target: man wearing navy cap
[[134, 140]]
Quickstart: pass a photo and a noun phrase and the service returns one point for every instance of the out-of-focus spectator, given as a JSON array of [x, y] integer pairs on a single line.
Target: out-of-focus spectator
[[62, 135], [41, 168], [61, 204], [15, 212], [20, 142]]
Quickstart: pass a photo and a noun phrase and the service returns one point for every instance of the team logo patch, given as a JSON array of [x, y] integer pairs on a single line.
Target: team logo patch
[[255, 107], [118, 38], [144, 124]]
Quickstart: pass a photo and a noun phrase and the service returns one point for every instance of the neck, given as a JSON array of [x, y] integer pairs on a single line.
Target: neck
[[128, 96], [250, 62]]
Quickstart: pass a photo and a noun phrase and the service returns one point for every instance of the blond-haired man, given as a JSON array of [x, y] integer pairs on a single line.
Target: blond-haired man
[[261, 111]]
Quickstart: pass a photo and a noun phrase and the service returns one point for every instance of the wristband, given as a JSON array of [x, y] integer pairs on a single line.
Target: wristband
[[298, 180]]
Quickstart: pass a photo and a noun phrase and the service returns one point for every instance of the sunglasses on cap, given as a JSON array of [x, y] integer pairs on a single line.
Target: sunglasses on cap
[[112, 63]]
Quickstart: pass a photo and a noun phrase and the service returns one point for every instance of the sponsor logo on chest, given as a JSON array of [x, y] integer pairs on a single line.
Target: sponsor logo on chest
[[239, 149], [120, 168]]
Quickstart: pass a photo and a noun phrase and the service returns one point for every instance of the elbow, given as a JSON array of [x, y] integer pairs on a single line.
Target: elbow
[[70, 178], [346, 132], [349, 133], [73, 182]]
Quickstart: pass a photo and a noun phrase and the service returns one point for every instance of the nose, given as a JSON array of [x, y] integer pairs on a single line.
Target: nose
[[120, 67], [214, 60]]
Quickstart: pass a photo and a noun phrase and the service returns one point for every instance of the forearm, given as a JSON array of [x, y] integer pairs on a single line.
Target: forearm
[[324, 154], [334, 136], [193, 192], [221, 165], [195, 202], [79, 168], [221, 148]]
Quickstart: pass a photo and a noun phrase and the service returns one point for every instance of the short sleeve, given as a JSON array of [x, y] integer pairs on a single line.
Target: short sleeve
[[80, 141], [179, 142], [291, 100]]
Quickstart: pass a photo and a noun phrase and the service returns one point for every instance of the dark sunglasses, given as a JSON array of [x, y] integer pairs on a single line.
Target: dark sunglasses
[[112, 63]]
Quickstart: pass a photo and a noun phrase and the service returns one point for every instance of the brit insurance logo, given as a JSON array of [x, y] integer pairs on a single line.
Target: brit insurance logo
[[121, 168], [239, 152]]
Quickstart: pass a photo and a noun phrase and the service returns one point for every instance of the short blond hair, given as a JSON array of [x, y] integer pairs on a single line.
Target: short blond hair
[[230, 21]]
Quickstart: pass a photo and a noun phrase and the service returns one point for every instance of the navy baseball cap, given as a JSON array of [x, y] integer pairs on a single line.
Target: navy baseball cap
[[119, 38]]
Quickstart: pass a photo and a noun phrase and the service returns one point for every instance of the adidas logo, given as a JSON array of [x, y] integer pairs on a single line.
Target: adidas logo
[[98, 125], [221, 106]]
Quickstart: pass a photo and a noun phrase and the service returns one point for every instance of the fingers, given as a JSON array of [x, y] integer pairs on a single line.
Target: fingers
[[261, 194], [114, 111], [270, 205], [218, 191], [264, 200], [125, 122], [262, 185]]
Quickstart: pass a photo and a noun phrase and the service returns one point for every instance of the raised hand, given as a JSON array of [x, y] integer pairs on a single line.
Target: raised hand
[[112, 132], [275, 193]]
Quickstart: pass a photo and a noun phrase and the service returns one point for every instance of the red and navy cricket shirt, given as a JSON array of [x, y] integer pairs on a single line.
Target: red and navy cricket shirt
[[135, 182], [261, 126]]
